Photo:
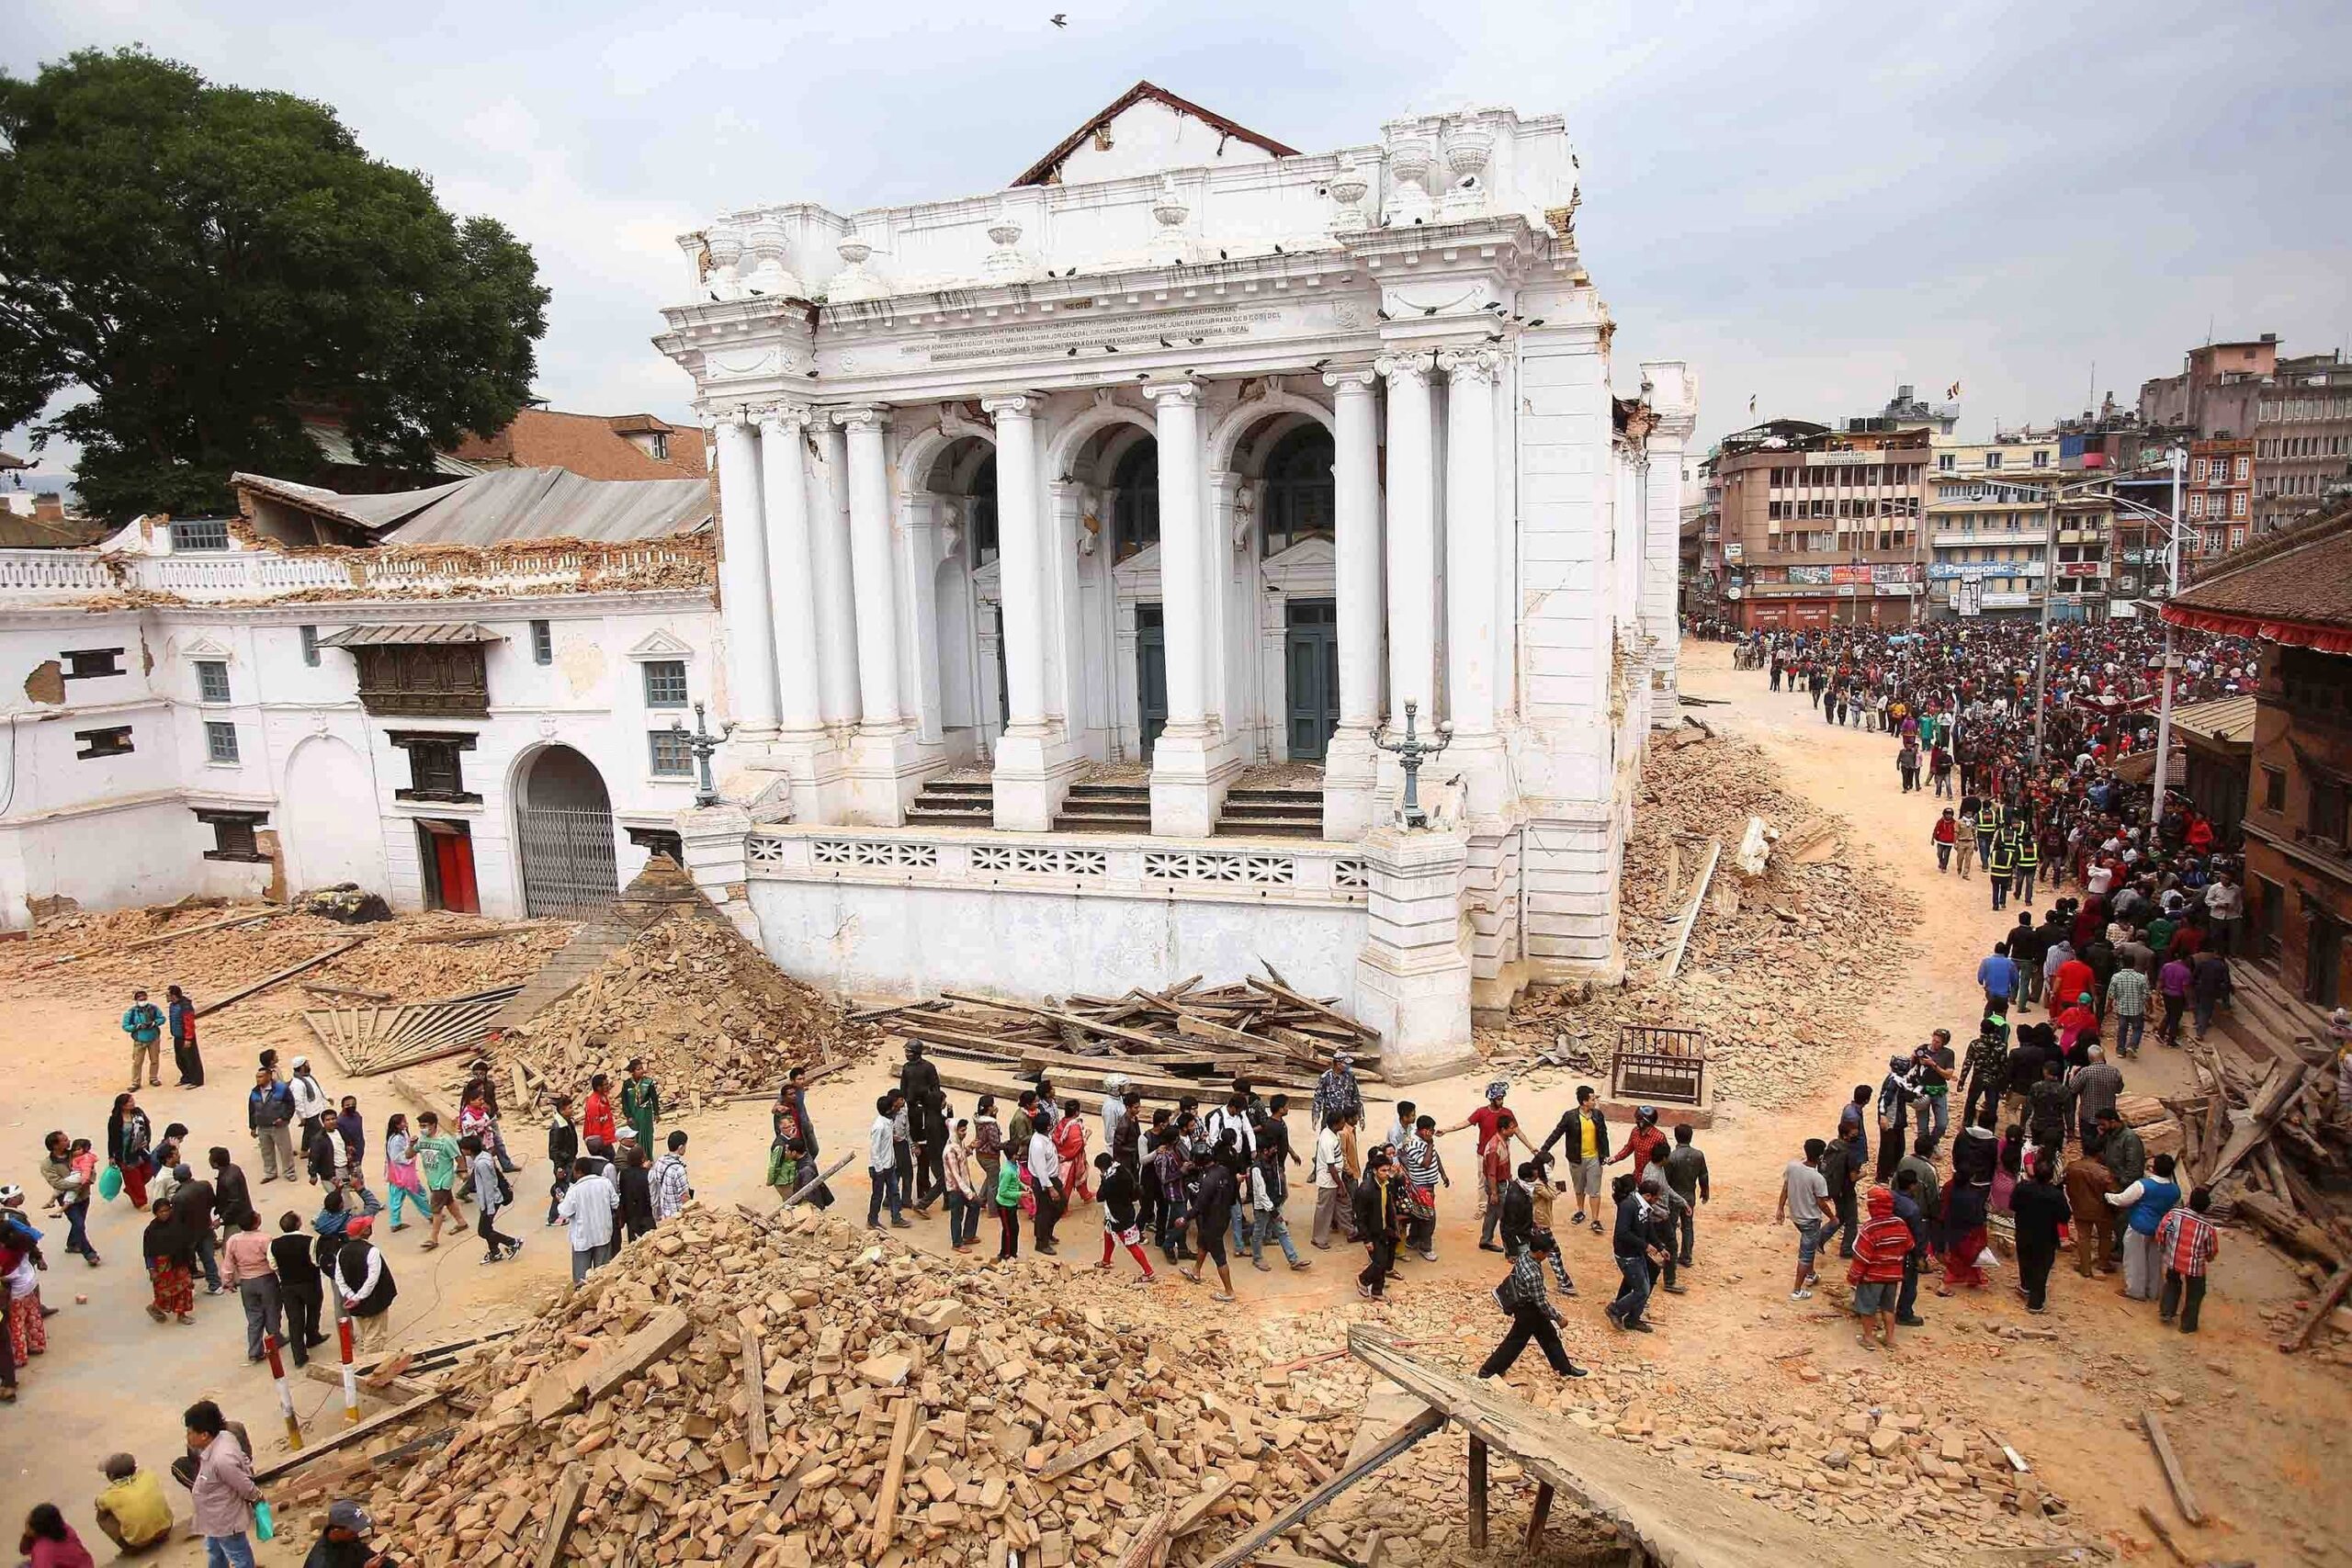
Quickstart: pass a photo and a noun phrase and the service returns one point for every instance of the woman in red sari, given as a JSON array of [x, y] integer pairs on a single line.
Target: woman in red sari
[[1069, 1146], [1964, 1236]]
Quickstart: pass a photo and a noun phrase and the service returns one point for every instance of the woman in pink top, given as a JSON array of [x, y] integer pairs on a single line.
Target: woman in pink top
[[50, 1543]]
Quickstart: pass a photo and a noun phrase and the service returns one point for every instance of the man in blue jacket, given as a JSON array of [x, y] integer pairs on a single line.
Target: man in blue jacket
[[269, 1112], [1998, 975]]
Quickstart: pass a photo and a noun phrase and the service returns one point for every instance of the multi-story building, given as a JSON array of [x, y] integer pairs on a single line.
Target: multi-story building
[[1818, 526], [1989, 523], [1074, 606], [2293, 592], [2302, 438], [2217, 501]]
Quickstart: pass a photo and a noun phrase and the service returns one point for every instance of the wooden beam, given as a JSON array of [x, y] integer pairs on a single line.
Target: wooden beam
[[662, 1333], [1477, 1494], [266, 981], [1690, 918], [894, 1474], [1087, 1453], [348, 1436], [1540, 1518], [1145, 1544], [1405, 1436], [2164, 1533], [143, 944], [821, 1177], [1194, 1512], [755, 1395], [2331, 1294], [567, 1493], [2175, 1477]]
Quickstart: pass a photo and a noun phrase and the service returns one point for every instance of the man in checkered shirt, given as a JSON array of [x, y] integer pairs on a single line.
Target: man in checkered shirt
[[2186, 1242]]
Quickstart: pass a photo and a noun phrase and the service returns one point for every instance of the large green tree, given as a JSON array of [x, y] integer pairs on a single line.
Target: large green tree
[[186, 269]]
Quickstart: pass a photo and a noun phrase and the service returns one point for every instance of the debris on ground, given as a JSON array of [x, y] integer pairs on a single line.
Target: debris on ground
[[1767, 974], [704, 1008]]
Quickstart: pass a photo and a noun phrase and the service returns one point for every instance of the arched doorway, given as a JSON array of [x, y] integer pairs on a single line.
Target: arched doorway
[[563, 819], [960, 483]]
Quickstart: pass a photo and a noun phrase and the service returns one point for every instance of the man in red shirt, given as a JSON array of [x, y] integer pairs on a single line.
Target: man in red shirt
[[1645, 1143], [1876, 1273], [1496, 1126]]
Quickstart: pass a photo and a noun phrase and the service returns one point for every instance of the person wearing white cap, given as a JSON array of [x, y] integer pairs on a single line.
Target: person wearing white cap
[[312, 1106]]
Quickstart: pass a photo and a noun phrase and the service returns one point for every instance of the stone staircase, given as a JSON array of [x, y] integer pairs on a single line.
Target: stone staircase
[[954, 802], [1271, 811], [1105, 808]]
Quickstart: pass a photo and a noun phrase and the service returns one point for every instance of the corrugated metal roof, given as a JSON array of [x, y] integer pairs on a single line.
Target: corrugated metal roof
[[2226, 720], [372, 513], [410, 632], [554, 503], [335, 445]]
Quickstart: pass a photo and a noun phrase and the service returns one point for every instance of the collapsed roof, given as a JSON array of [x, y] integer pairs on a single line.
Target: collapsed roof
[[499, 507]]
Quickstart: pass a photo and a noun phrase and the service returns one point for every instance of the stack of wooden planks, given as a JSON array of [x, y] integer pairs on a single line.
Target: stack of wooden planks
[[372, 1039], [1165, 1044]]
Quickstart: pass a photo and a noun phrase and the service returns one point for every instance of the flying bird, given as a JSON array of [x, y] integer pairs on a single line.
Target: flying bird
[[1429, 310], [1059, 18]]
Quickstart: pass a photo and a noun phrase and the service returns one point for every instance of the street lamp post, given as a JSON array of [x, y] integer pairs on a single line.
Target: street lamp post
[[704, 745], [1411, 752], [2163, 699]]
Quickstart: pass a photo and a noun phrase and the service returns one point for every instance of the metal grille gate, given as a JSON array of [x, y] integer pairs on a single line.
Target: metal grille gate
[[568, 865]]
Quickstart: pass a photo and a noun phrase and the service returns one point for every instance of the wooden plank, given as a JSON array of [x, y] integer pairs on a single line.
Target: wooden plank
[[1690, 918], [663, 1332], [567, 1493], [820, 1177], [1323, 1010], [1087, 1453], [2331, 1294], [1241, 1550], [1194, 1510], [143, 944], [1539, 1518], [1477, 1494], [2161, 1440], [1145, 1544], [2276, 1099], [347, 1436], [755, 1396], [894, 1474], [288, 973], [2164, 1533]]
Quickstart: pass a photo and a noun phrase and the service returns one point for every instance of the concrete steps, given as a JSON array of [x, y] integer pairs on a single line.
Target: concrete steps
[[954, 802], [1105, 808], [1266, 812]]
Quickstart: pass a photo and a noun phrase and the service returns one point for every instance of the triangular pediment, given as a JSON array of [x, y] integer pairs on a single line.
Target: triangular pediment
[[204, 648], [1145, 130], [1305, 556], [662, 645]]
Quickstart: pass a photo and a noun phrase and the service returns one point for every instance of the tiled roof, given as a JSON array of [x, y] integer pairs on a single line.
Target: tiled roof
[[411, 633], [2224, 721], [592, 445], [1041, 172], [2294, 581]]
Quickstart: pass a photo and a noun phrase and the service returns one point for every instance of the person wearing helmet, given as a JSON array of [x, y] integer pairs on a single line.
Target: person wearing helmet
[[1645, 1143]]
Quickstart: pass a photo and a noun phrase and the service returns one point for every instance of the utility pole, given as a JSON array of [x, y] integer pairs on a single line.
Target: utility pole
[[2163, 699], [2042, 646]]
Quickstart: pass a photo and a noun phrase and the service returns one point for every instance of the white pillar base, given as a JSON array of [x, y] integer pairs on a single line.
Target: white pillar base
[[1413, 976], [1351, 781], [1189, 777], [1031, 775], [715, 841], [819, 776], [884, 773], [1482, 764]]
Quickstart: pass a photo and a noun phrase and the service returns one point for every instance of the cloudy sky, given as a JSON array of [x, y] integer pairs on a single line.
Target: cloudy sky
[[1809, 202]]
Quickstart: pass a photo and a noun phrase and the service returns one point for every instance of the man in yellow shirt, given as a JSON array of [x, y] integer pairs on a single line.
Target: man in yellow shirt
[[132, 1509]]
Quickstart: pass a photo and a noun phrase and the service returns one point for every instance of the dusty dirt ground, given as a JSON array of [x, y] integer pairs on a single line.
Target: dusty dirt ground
[[2259, 1433]]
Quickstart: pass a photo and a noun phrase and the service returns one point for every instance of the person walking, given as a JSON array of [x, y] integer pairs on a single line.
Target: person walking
[[1944, 835], [1686, 1174], [1583, 1136], [247, 1269], [588, 1211], [436, 1158], [1636, 1256], [1332, 1174], [634, 1178], [130, 1139], [1269, 1186], [69, 1186], [2186, 1243], [1424, 1174], [1876, 1273], [1212, 1207], [1964, 840], [143, 1021], [1379, 1211], [1008, 1194], [223, 1491], [672, 1183], [1533, 1316], [1048, 1184], [312, 1109], [491, 1193], [170, 1253], [180, 1015], [403, 1183], [1804, 1193], [302, 1290], [926, 1104], [2127, 1006], [882, 1165], [2173, 982], [1120, 1194], [2040, 1207], [2087, 1183]]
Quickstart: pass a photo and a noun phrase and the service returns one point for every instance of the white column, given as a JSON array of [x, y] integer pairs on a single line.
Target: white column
[[792, 587], [1188, 765], [1021, 560], [743, 581], [836, 605], [804, 749], [1183, 553], [1470, 560], [1674, 396], [1413, 540], [871, 571], [1348, 767]]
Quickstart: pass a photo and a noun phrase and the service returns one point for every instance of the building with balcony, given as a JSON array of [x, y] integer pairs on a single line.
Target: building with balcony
[[2217, 501], [481, 710], [2293, 592], [1086, 541]]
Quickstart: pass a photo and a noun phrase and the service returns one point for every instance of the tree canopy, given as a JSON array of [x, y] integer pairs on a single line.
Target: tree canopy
[[187, 270]]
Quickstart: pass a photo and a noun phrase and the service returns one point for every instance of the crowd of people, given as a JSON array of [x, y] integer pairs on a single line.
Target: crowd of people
[[2139, 946]]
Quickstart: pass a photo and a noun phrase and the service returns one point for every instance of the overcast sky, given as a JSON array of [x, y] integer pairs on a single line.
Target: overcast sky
[[1808, 202]]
